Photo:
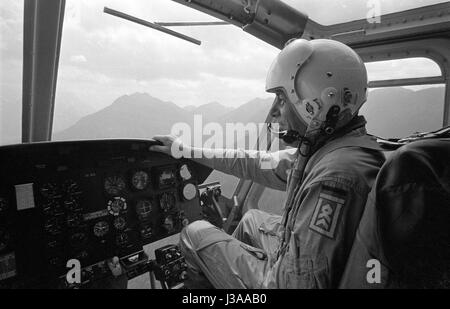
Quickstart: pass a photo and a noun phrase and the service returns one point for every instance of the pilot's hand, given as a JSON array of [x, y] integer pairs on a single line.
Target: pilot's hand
[[115, 267], [171, 145], [118, 280]]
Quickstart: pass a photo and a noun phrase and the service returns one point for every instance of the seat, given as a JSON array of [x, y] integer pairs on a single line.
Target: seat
[[406, 222]]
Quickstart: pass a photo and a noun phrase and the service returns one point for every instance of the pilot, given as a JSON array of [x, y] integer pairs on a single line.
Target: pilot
[[320, 86]]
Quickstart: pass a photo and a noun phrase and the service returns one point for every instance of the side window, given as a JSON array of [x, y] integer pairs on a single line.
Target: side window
[[398, 111]]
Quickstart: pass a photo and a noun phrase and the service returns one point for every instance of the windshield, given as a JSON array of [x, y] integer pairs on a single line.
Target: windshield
[[121, 79]]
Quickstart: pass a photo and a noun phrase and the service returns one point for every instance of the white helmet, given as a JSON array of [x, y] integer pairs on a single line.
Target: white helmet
[[325, 80]]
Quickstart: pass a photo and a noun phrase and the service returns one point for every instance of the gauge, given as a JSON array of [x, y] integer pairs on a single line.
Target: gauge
[[4, 239], [169, 224], [140, 180], [185, 222], [166, 178], [185, 173], [167, 201], [101, 228], [122, 239], [189, 192], [144, 209], [114, 185], [49, 190], [120, 223], [117, 205], [146, 232]]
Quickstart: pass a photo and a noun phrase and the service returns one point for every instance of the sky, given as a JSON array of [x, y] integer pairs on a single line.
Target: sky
[[104, 57]]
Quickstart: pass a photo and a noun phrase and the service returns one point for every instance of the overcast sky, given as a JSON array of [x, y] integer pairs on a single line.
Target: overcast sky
[[103, 57]]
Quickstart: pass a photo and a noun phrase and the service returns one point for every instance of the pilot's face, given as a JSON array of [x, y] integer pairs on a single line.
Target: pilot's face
[[283, 112]]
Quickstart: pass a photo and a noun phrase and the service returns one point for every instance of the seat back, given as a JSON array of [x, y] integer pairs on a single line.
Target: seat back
[[403, 239]]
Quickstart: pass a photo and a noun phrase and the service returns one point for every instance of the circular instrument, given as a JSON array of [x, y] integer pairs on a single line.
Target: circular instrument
[[144, 209], [117, 205], [114, 185], [101, 229], [120, 223], [167, 201], [185, 173], [140, 180], [189, 191]]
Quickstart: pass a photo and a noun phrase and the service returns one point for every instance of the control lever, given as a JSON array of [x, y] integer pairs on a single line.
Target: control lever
[[209, 200]]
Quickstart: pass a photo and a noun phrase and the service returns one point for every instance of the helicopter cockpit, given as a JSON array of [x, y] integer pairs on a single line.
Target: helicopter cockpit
[[80, 185]]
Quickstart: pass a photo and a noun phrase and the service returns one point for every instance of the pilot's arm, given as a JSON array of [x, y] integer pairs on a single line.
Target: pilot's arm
[[268, 169]]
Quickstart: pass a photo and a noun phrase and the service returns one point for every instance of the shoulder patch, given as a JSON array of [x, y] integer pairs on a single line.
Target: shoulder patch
[[327, 212]]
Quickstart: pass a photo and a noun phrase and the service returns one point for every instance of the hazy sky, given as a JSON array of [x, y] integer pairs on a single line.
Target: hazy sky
[[103, 57]]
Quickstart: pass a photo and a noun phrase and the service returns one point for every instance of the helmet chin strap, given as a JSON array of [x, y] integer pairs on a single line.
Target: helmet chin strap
[[288, 136]]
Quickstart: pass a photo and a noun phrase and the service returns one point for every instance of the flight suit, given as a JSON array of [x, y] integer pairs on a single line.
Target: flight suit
[[308, 246]]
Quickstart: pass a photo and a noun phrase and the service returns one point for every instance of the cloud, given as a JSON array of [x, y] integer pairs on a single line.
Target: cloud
[[78, 59]]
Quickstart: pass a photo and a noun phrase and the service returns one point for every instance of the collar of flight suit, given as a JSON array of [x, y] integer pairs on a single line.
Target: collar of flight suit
[[356, 136]]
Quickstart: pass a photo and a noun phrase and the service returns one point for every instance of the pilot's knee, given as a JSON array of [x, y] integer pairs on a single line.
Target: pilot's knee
[[250, 216], [192, 234]]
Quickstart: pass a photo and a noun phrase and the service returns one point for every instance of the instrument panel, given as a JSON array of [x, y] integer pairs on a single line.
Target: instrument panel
[[90, 201]]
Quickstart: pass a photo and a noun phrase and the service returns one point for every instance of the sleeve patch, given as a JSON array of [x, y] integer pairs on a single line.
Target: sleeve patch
[[327, 211]]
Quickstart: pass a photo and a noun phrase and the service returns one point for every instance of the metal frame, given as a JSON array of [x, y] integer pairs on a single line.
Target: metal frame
[[43, 23], [435, 49]]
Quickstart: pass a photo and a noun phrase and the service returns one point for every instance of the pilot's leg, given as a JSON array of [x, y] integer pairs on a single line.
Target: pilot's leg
[[259, 229], [221, 259]]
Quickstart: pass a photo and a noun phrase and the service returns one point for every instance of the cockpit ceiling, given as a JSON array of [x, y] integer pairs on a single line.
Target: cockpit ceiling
[[329, 13]]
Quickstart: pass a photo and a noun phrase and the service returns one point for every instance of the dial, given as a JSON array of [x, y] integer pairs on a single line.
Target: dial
[[101, 229], [120, 223], [3, 204], [185, 173], [144, 209], [49, 190], [122, 239], [166, 178], [189, 192], [169, 224], [167, 201], [114, 185], [140, 180], [146, 232], [117, 205]]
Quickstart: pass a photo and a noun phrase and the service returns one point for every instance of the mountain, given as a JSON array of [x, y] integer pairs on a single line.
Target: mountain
[[69, 108], [254, 111], [211, 112], [391, 112], [399, 112], [131, 116], [143, 116]]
